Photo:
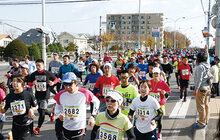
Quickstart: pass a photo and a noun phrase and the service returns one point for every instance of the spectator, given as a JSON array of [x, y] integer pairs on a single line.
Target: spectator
[[202, 90]]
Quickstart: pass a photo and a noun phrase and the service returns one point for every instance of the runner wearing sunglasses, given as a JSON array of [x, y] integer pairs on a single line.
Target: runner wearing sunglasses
[[71, 108], [112, 123]]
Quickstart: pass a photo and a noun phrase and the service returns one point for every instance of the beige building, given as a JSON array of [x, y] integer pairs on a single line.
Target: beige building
[[79, 39], [5, 40], [125, 27]]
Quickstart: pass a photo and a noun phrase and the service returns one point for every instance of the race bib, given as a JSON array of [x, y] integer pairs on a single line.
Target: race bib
[[142, 73], [81, 68], [91, 86], [106, 90], [71, 112], [185, 72], [143, 113], [105, 134], [155, 95], [55, 70], [18, 108], [41, 86], [125, 106], [118, 67]]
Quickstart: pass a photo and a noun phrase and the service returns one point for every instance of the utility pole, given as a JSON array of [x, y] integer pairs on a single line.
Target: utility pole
[[208, 24], [217, 33], [43, 35], [100, 38], [139, 26]]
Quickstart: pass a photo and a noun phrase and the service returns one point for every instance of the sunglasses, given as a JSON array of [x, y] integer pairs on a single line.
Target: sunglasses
[[67, 84], [55, 54], [110, 100]]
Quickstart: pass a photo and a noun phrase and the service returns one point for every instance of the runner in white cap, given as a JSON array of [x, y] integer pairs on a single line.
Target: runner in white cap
[[112, 122]]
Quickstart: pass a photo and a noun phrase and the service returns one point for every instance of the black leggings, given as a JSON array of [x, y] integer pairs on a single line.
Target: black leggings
[[80, 76], [177, 80], [21, 132], [42, 113], [159, 125], [59, 129], [184, 91]]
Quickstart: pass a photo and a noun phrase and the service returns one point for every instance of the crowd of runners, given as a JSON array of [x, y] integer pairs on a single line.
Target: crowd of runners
[[132, 101]]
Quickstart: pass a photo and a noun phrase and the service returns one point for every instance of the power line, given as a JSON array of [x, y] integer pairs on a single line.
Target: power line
[[202, 6], [47, 2]]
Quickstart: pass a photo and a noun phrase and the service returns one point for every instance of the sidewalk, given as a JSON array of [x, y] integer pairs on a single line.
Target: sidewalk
[[209, 132]]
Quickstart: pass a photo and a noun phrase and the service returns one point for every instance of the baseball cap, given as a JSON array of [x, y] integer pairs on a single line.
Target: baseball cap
[[69, 77], [116, 95], [95, 60], [108, 64], [25, 66], [156, 70]]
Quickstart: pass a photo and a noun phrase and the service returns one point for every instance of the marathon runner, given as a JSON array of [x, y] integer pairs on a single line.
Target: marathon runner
[[71, 108], [112, 123], [22, 104], [145, 107]]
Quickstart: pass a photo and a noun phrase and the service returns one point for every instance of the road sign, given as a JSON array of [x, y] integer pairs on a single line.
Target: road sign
[[136, 44], [155, 31]]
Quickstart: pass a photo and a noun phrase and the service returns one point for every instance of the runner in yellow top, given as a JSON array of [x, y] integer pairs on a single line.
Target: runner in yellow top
[[112, 122], [128, 91]]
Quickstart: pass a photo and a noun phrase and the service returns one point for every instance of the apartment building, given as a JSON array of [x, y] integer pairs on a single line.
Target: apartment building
[[125, 27]]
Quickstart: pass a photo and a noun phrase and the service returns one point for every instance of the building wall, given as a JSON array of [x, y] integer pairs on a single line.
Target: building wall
[[5, 41], [66, 38], [126, 26]]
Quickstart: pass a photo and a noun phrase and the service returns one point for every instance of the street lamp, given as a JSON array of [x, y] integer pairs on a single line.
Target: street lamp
[[175, 21]]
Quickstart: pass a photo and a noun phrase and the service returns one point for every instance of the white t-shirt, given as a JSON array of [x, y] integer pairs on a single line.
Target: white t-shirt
[[145, 112], [73, 105], [81, 66]]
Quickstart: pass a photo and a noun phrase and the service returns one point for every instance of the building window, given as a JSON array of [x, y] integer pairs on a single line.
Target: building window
[[123, 22], [142, 32], [128, 27], [109, 18], [119, 18], [142, 27], [148, 27], [129, 32], [148, 32], [66, 41], [149, 17], [129, 17], [123, 17], [148, 22], [128, 22], [142, 17], [123, 32], [132, 32], [142, 22]]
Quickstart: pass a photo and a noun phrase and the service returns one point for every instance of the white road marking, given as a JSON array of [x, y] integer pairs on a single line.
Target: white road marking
[[180, 109]]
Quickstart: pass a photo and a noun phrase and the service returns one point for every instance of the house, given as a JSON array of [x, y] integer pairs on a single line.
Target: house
[[5, 40], [79, 39], [30, 36]]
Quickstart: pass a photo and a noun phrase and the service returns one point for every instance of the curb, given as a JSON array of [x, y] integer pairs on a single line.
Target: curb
[[199, 134]]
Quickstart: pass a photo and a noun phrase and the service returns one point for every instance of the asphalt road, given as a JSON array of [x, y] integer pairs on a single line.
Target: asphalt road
[[177, 123]]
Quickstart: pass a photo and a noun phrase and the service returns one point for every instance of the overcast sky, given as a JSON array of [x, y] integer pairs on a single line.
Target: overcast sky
[[84, 17]]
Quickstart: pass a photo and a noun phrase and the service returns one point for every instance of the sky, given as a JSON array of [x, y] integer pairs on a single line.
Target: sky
[[84, 17]]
